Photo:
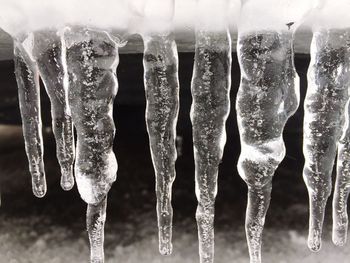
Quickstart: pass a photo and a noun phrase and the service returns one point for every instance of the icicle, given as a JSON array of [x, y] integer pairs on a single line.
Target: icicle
[[211, 85], [95, 222], [91, 62], [325, 102], [29, 101], [342, 185], [162, 94], [324, 115], [47, 52], [267, 97]]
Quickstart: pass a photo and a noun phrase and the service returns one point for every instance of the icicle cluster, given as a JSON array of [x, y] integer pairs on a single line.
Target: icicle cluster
[[39, 53], [326, 98], [47, 52], [326, 120], [79, 74], [78, 68]]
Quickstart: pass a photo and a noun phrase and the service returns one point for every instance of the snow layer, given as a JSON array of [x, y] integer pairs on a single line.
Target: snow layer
[[273, 14]]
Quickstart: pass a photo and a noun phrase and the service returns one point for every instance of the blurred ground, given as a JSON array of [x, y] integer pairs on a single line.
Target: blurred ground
[[52, 229]]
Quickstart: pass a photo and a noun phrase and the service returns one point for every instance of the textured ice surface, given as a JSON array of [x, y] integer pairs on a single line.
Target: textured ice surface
[[342, 185], [327, 95], [267, 97], [92, 58], [161, 82], [162, 95], [27, 76], [47, 52], [91, 63], [40, 53], [210, 88], [95, 222], [211, 83]]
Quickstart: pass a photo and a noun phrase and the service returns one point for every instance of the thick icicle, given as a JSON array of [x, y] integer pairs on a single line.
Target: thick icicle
[[27, 76], [211, 83], [267, 97], [91, 60], [342, 185], [325, 101], [47, 52], [324, 106], [162, 93]]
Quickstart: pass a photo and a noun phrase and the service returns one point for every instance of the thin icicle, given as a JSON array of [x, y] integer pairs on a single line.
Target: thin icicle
[[27, 77], [47, 52], [342, 185], [95, 222], [162, 94], [267, 97], [91, 62], [324, 107], [211, 83]]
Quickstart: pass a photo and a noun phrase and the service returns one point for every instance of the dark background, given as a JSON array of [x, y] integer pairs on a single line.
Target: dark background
[[52, 229]]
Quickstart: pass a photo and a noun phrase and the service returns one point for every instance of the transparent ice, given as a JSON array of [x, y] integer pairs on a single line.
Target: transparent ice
[[326, 119], [95, 222], [211, 83], [327, 95], [79, 73], [210, 87], [40, 54], [268, 95], [27, 76], [47, 52], [342, 184], [161, 83], [162, 94], [91, 62]]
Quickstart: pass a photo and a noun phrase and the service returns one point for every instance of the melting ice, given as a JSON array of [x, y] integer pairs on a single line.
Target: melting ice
[[268, 95], [76, 56], [326, 120], [81, 91], [210, 87]]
